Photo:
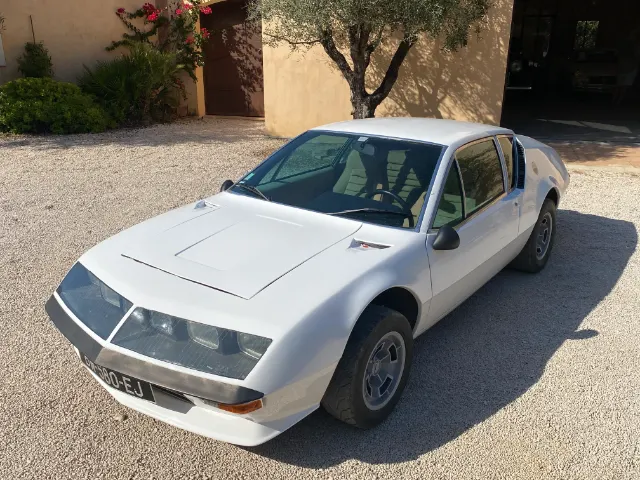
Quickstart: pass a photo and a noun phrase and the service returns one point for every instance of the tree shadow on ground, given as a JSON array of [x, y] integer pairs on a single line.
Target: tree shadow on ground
[[208, 130], [483, 356], [602, 153]]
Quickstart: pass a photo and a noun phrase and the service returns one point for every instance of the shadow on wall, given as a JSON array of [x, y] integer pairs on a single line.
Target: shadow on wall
[[233, 76], [483, 356], [464, 85]]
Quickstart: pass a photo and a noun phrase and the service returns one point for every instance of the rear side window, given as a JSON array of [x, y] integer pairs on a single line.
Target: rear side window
[[506, 144], [481, 171], [450, 210]]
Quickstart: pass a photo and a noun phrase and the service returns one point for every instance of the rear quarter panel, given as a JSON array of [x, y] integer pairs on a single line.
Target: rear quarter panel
[[544, 171]]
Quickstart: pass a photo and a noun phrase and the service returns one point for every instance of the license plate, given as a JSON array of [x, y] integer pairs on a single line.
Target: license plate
[[124, 383]]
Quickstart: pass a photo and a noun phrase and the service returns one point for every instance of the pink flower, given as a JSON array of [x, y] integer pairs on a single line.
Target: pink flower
[[120, 11], [153, 17], [148, 8], [205, 10], [205, 33], [178, 11], [187, 5], [189, 40]]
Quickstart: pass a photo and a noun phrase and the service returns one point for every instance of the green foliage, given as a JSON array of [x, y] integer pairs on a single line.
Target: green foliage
[[359, 27], [137, 87], [170, 29], [300, 21], [43, 105], [35, 62]]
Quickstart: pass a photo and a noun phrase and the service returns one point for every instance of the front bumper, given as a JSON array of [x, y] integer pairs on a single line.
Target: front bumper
[[190, 384], [179, 398]]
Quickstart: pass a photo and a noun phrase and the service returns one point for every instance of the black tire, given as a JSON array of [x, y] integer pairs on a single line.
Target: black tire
[[529, 259], [345, 397]]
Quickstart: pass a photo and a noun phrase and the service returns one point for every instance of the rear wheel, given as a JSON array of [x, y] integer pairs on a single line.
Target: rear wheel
[[536, 252], [373, 370]]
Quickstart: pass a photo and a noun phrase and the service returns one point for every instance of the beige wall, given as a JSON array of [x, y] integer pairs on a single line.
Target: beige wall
[[76, 32], [306, 90]]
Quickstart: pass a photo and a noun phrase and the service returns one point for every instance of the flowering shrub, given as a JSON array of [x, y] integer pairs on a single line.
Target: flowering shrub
[[136, 88], [170, 29]]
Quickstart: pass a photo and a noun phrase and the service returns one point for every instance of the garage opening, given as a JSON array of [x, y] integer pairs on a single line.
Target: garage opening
[[573, 69], [233, 77]]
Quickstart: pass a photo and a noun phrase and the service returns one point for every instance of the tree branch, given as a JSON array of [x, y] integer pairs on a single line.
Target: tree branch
[[291, 42], [358, 41], [371, 47], [391, 75], [329, 45]]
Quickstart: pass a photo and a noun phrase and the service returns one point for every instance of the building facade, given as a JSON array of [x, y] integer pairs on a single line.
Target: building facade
[[524, 45]]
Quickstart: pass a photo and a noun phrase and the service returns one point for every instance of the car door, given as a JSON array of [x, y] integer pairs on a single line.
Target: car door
[[480, 203]]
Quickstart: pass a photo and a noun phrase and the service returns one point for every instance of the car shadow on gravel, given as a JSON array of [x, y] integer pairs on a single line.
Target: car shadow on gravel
[[483, 356]]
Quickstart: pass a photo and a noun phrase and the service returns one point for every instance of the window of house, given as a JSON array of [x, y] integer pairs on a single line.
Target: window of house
[[586, 35], [450, 211], [482, 176], [506, 144]]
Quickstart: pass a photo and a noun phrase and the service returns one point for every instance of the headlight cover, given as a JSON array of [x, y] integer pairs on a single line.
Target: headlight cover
[[190, 344], [95, 304]]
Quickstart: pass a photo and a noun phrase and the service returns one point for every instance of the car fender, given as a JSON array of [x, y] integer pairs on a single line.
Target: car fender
[[318, 340]]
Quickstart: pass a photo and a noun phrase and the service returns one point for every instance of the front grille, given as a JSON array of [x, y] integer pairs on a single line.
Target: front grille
[[521, 165], [172, 393]]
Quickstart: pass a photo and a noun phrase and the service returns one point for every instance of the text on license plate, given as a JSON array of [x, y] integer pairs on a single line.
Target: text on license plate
[[124, 383]]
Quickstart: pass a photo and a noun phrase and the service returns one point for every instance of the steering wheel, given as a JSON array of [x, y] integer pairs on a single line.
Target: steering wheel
[[397, 198]]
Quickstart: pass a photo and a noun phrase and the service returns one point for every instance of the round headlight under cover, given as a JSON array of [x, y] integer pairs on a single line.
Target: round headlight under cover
[[205, 335], [162, 322], [141, 316], [252, 345]]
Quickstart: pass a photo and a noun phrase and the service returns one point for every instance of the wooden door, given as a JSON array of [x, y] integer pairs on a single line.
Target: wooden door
[[233, 77]]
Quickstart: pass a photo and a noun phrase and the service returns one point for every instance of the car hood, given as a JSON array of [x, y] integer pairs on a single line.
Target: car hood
[[236, 245]]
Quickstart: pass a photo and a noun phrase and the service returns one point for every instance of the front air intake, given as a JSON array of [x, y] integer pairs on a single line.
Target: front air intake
[[521, 165]]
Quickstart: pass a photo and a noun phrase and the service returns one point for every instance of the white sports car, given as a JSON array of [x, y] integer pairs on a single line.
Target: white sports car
[[306, 282]]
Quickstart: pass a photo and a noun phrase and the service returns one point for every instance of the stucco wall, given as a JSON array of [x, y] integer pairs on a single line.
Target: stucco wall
[[306, 90], [76, 32]]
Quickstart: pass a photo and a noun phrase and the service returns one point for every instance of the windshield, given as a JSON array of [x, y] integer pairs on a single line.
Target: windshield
[[368, 178]]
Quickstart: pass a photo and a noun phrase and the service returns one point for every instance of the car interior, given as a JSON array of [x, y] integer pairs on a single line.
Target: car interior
[[333, 173]]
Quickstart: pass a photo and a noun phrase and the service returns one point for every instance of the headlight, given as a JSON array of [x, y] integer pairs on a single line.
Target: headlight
[[190, 344], [95, 304]]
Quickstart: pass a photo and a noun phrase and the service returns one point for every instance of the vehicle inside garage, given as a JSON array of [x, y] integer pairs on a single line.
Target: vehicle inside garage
[[573, 69]]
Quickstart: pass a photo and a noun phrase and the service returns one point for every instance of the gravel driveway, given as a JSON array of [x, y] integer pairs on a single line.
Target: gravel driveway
[[534, 376]]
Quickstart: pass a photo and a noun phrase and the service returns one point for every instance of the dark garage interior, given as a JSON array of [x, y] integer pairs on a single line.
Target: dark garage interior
[[573, 67]]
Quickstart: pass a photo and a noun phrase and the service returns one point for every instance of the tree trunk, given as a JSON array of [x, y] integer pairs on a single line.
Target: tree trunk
[[364, 103], [361, 106]]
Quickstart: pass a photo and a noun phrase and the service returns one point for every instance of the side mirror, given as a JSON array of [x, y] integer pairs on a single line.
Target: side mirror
[[226, 185], [446, 239]]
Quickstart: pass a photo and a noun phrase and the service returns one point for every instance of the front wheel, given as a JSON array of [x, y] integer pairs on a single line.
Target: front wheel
[[536, 252], [373, 370]]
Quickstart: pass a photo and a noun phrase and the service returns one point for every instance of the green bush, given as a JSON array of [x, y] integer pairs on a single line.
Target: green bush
[[35, 62], [42, 105], [137, 87]]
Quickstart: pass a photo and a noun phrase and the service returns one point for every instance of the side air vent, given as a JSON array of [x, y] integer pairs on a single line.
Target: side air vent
[[521, 165]]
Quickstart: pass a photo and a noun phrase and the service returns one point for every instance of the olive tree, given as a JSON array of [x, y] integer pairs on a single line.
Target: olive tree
[[359, 27]]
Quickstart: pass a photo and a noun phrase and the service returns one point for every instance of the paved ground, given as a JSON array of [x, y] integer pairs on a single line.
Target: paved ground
[[534, 376]]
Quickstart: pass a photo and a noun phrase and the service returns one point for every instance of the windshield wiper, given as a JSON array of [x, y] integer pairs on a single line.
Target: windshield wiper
[[254, 190], [371, 210]]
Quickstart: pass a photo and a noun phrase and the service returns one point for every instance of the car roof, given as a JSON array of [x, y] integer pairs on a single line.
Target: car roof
[[432, 130]]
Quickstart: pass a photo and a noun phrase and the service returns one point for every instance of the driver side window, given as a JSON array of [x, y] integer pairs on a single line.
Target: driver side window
[[450, 208]]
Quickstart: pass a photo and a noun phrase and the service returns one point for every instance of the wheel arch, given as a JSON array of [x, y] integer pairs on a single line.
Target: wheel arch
[[553, 195], [401, 300]]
